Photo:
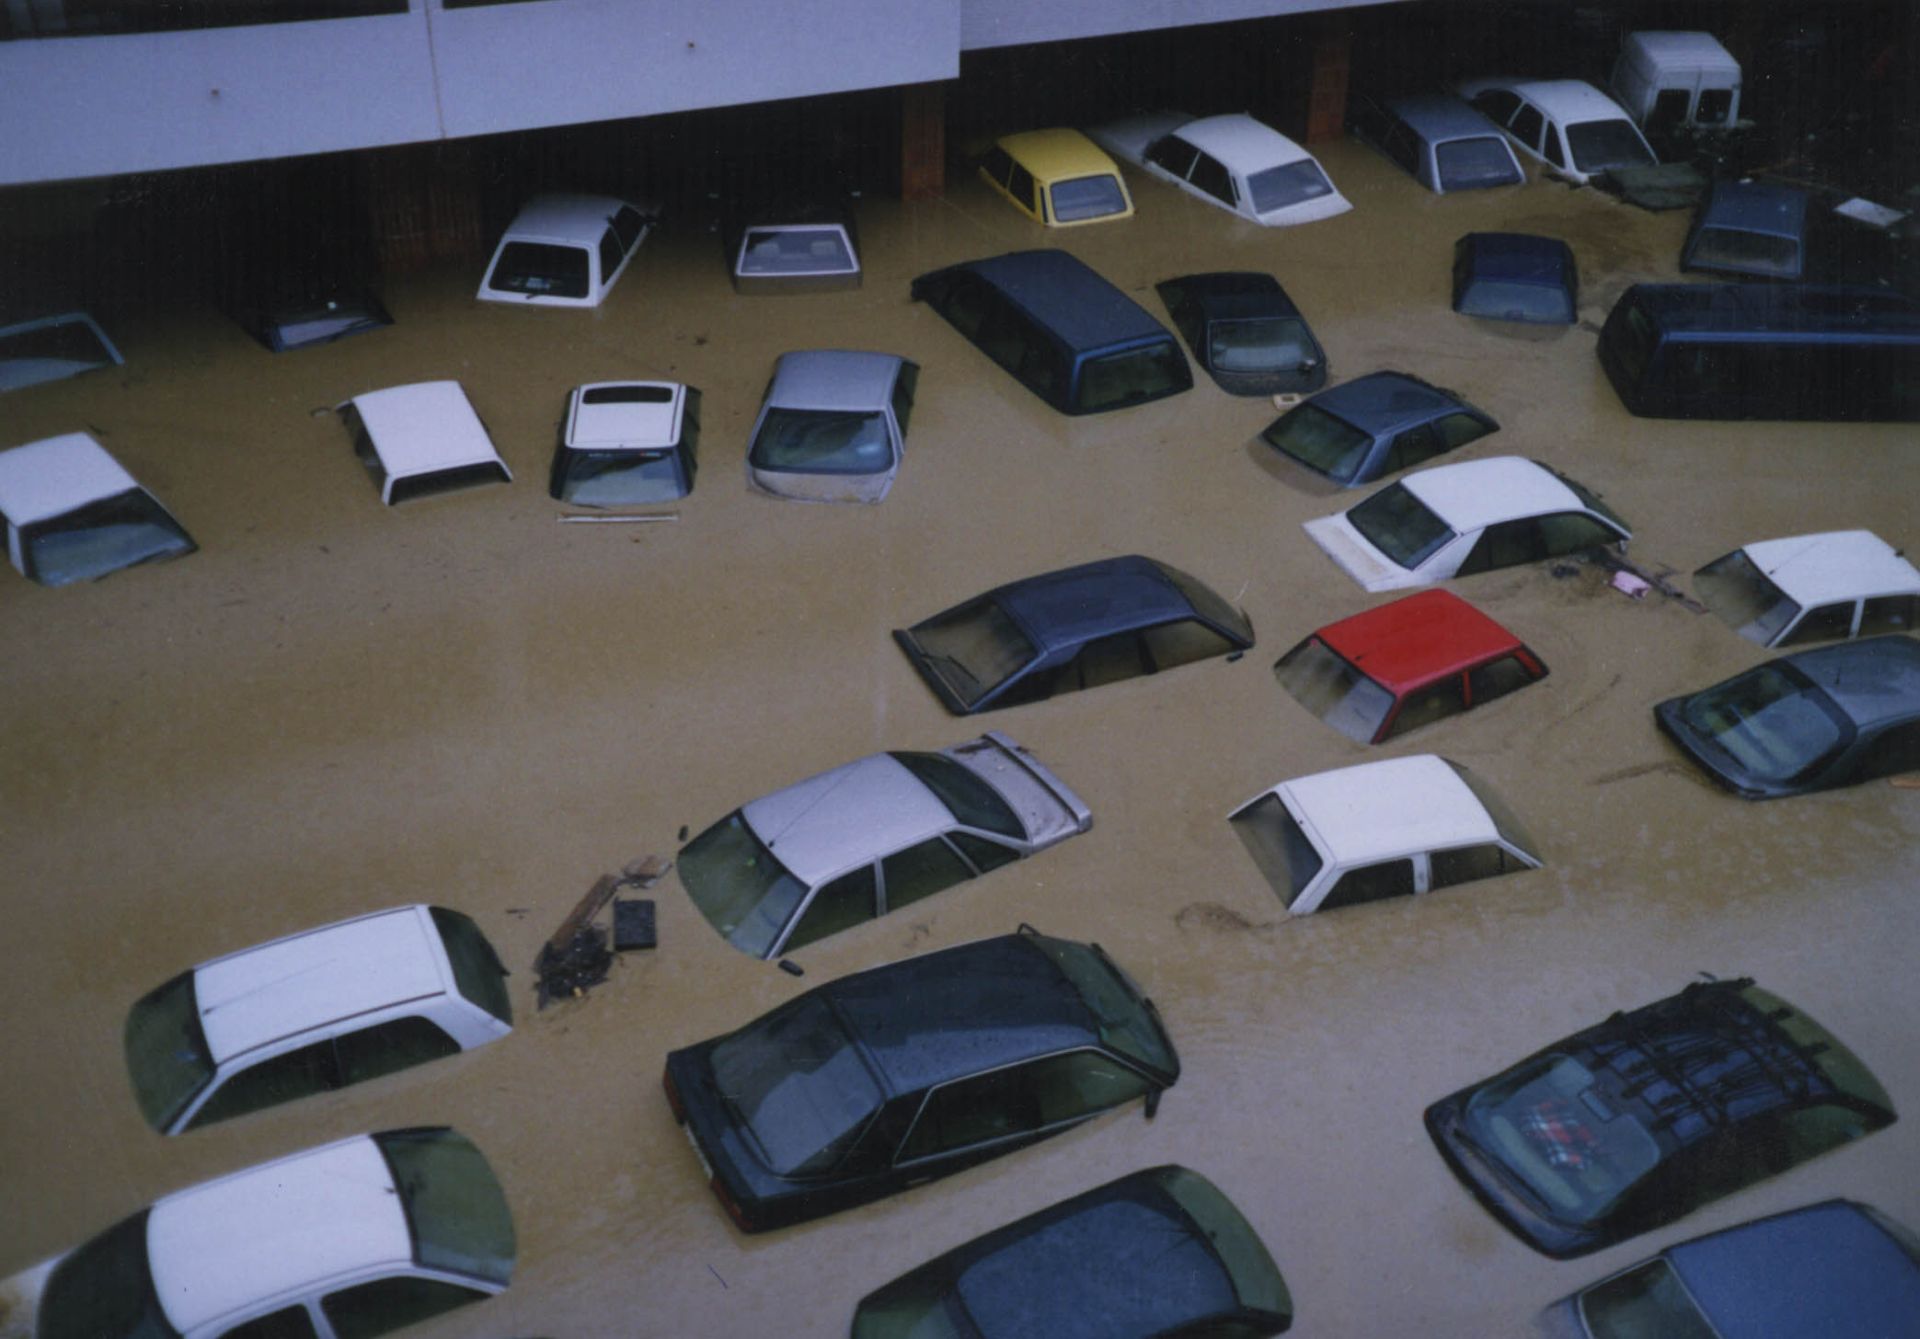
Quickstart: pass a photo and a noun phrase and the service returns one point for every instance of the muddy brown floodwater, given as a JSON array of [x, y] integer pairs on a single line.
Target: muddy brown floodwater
[[334, 707]]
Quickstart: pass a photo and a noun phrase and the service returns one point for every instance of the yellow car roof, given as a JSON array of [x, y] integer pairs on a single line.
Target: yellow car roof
[[1054, 155]]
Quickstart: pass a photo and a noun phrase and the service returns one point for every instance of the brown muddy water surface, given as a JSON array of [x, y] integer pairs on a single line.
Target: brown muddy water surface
[[334, 707]]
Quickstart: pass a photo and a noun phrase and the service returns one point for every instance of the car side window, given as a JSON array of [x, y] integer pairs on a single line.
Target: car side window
[[1370, 883], [1413, 446], [1211, 176], [610, 253], [973, 1111], [1552, 146], [1172, 153], [999, 336], [1504, 545], [1181, 641], [1497, 679], [1897, 750], [285, 1078], [1821, 624], [288, 1323], [921, 871], [1464, 864], [998, 165], [1105, 660], [1890, 613], [390, 1047], [1497, 105], [840, 905], [1527, 124], [367, 1309], [966, 304], [1403, 149], [1080, 1083], [1457, 430], [1572, 531], [984, 854], [628, 223], [1020, 187], [1427, 705], [903, 388], [1669, 109]]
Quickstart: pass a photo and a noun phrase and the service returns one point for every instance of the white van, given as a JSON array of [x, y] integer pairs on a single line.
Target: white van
[[565, 251], [1665, 80]]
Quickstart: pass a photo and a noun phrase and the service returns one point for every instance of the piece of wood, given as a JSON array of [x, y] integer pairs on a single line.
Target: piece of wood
[[585, 910]]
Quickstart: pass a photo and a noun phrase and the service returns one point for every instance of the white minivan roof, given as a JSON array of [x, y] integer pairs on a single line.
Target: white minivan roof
[[1691, 51], [55, 475], [425, 427]]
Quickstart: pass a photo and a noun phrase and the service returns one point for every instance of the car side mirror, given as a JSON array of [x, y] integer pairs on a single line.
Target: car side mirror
[[1153, 1102]]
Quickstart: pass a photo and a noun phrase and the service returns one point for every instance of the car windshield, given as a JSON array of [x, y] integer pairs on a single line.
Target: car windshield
[[102, 537], [1400, 525], [1553, 1129], [798, 1083], [1484, 160], [1505, 300], [795, 251], [1278, 846], [1080, 198], [477, 969], [1504, 819], [105, 1288], [1256, 1279], [167, 1053], [540, 269], [973, 649], [1127, 1022], [1740, 594], [738, 885], [456, 1211], [1289, 184], [1599, 145], [1334, 690], [1771, 722], [1116, 379], [47, 352], [823, 441], [974, 803], [1647, 1300], [1260, 344], [1747, 252], [621, 478], [920, 1305], [1323, 442]]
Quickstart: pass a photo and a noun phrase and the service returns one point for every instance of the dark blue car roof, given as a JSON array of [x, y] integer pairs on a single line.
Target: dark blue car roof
[[1827, 1269], [1097, 599], [1440, 116], [1069, 298], [1382, 402], [1518, 258], [1873, 680], [1749, 206], [1236, 294], [1742, 310]]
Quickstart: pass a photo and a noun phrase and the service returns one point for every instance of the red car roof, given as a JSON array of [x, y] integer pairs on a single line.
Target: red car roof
[[1414, 641]]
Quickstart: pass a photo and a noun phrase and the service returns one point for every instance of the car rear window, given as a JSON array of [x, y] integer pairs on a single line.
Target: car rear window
[[540, 269], [1278, 846], [1648, 1299], [621, 478], [820, 441], [167, 1053], [1324, 443], [1334, 690], [1115, 380], [1745, 252], [974, 803], [1485, 160], [796, 1080], [1127, 1023], [1287, 185], [50, 352], [973, 649], [455, 1209], [795, 251], [1265, 344], [1080, 198], [1400, 525], [1505, 300], [412, 487], [90, 542], [477, 969], [1742, 595], [1550, 1125]]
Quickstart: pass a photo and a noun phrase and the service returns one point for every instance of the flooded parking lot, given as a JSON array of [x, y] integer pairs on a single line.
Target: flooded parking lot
[[334, 707]]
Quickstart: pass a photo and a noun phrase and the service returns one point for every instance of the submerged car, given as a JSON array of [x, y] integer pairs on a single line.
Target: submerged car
[[1749, 230], [1835, 1268], [1246, 332], [419, 440], [833, 426], [51, 348], [856, 842], [798, 247], [73, 513], [1515, 276], [627, 444], [1815, 720], [1373, 426], [1057, 177], [1160, 1252], [1382, 829], [1400, 666], [1079, 627], [1634, 1122], [1456, 520], [345, 1241], [1235, 162], [313, 1012], [1571, 126], [295, 313], [899, 1074], [1445, 144], [1812, 588], [565, 251]]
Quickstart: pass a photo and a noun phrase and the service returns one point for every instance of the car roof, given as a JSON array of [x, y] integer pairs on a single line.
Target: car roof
[[55, 475], [273, 1229], [1380, 402], [853, 813], [1051, 155], [1695, 50], [1837, 565], [1568, 101], [1241, 142], [1518, 257], [1752, 206], [1070, 297], [1873, 680], [1225, 295], [1417, 639], [1439, 117], [1826, 1269], [1395, 807], [1076, 604], [576, 219], [277, 990], [640, 424], [424, 427], [1474, 494], [833, 379], [1742, 310], [946, 1015]]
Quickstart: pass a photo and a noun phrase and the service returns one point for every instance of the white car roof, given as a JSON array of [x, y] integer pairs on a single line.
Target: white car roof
[[1685, 50], [576, 219], [263, 994], [1838, 565], [1568, 101], [273, 1229], [1382, 810], [854, 813], [1474, 494], [635, 424], [1242, 143], [55, 475], [424, 427]]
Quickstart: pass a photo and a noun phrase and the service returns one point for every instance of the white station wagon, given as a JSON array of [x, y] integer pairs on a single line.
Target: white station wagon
[[1812, 588], [565, 251], [1235, 162], [73, 513], [627, 443], [421, 439], [345, 1241], [313, 1012], [1455, 520], [1381, 829]]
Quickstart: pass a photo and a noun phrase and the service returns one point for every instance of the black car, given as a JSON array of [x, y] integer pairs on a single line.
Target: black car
[[1160, 1252], [1627, 1125], [1810, 721], [899, 1074], [1373, 426], [1244, 329], [1076, 628]]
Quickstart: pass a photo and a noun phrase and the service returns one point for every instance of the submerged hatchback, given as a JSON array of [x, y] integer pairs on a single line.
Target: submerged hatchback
[[73, 513], [833, 427], [1246, 332], [896, 1075], [1057, 177], [1373, 426]]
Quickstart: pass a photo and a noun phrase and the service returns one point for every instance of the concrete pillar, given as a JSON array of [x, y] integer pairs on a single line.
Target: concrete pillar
[[423, 204], [1327, 85], [923, 141]]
